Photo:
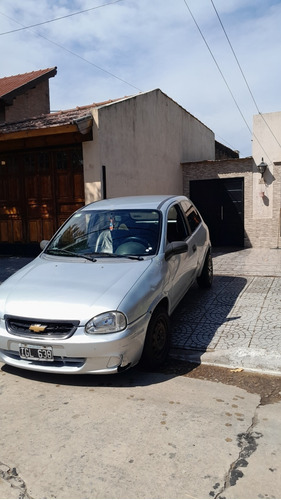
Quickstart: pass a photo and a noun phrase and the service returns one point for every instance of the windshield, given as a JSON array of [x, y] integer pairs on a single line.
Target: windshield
[[108, 233]]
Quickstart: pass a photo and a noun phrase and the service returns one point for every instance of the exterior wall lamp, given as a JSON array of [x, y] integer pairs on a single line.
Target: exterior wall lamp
[[262, 168]]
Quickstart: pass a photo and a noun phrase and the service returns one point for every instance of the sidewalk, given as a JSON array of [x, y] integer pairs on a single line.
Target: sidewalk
[[248, 262], [237, 323]]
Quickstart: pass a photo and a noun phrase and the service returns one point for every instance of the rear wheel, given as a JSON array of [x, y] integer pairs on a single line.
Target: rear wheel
[[206, 278], [157, 340]]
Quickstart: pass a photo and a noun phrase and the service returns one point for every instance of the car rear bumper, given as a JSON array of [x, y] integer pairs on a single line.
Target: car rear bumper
[[81, 353]]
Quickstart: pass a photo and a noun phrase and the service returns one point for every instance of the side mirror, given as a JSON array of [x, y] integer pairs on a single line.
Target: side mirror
[[43, 244], [175, 248]]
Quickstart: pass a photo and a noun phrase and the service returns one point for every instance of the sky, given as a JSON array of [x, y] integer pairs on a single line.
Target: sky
[[218, 59]]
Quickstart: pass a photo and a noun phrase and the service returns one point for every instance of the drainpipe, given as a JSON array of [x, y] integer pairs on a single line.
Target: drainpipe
[[103, 181]]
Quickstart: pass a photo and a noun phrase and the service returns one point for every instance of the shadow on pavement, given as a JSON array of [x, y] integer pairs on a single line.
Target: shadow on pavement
[[199, 320], [134, 377]]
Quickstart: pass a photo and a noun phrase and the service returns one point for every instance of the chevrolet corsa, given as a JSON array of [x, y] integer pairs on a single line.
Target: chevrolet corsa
[[99, 296]]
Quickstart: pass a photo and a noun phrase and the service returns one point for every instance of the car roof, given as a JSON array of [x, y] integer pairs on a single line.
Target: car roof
[[154, 202]]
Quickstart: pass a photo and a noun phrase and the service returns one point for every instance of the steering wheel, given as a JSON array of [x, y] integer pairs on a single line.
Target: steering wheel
[[136, 239], [133, 245]]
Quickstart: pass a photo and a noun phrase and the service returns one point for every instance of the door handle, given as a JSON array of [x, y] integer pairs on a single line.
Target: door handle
[[221, 212], [194, 248]]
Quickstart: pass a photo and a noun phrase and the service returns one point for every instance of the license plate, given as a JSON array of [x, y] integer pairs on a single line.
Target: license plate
[[36, 352]]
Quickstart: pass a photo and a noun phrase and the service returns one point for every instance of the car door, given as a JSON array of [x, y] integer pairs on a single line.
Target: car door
[[197, 230], [182, 267]]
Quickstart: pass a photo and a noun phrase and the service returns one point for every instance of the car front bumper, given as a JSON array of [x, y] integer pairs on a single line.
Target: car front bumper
[[80, 353]]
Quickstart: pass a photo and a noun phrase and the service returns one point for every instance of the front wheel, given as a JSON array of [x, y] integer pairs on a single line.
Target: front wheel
[[205, 280], [157, 340]]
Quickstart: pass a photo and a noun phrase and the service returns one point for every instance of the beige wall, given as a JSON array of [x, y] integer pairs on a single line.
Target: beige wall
[[142, 141], [267, 137], [91, 163], [266, 145]]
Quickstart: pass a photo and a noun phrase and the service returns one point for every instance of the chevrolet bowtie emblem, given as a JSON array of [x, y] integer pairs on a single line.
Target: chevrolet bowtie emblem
[[37, 328]]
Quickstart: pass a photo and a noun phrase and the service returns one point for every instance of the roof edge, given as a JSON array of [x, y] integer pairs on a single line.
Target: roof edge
[[21, 89], [212, 162]]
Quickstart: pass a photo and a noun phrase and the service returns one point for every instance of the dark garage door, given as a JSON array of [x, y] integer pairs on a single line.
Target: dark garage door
[[221, 204]]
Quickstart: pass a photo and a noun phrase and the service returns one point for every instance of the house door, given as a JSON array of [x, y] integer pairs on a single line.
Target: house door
[[221, 204]]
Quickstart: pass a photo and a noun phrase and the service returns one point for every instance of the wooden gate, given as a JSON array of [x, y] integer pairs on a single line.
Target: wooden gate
[[38, 191]]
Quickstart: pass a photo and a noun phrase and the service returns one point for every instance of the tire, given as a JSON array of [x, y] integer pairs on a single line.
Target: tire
[[157, 340], [205, 280]]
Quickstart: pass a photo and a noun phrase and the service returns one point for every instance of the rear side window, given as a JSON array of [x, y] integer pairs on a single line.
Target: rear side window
[[191, 215]]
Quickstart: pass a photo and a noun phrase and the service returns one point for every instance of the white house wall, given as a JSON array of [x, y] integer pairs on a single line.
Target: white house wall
[[266, 146], [142, 141], [267, 137], [91, 163]]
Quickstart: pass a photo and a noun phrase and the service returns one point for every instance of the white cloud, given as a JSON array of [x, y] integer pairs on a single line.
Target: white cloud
[[153, 44]]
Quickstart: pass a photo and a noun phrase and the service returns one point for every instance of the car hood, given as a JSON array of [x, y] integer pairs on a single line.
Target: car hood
[[49, 288]]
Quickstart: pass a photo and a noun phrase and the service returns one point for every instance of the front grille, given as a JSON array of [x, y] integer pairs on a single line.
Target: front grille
[[35, 328]]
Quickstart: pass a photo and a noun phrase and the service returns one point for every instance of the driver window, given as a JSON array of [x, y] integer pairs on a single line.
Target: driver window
[[176, 227]]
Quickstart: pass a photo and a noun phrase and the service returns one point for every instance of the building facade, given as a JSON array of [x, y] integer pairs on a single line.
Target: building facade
[[241, 205], [53, 163]]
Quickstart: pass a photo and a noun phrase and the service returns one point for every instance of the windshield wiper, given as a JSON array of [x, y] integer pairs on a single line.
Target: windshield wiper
[[116, 256], [61, 251], [133, 257]]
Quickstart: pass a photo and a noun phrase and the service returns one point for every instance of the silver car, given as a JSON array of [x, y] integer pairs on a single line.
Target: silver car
[[99, 296]]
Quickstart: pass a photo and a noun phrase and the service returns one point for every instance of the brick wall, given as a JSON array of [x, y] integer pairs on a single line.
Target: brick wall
[[224, 153], [262, 229], [32, 103]]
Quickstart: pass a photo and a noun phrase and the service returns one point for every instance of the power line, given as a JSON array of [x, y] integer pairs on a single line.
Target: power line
[[243, 75], [222, 75], [77, 55], [245, 80], [57, 18], [216, 63]]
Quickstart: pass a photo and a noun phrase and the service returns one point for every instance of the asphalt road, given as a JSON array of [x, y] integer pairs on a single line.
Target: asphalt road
[[140, 435]]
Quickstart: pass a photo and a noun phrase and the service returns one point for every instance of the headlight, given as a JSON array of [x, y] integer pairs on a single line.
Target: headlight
[[109, 322]]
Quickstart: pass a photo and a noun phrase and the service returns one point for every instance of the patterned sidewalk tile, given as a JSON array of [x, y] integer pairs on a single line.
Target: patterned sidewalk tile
[[236, 312]]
